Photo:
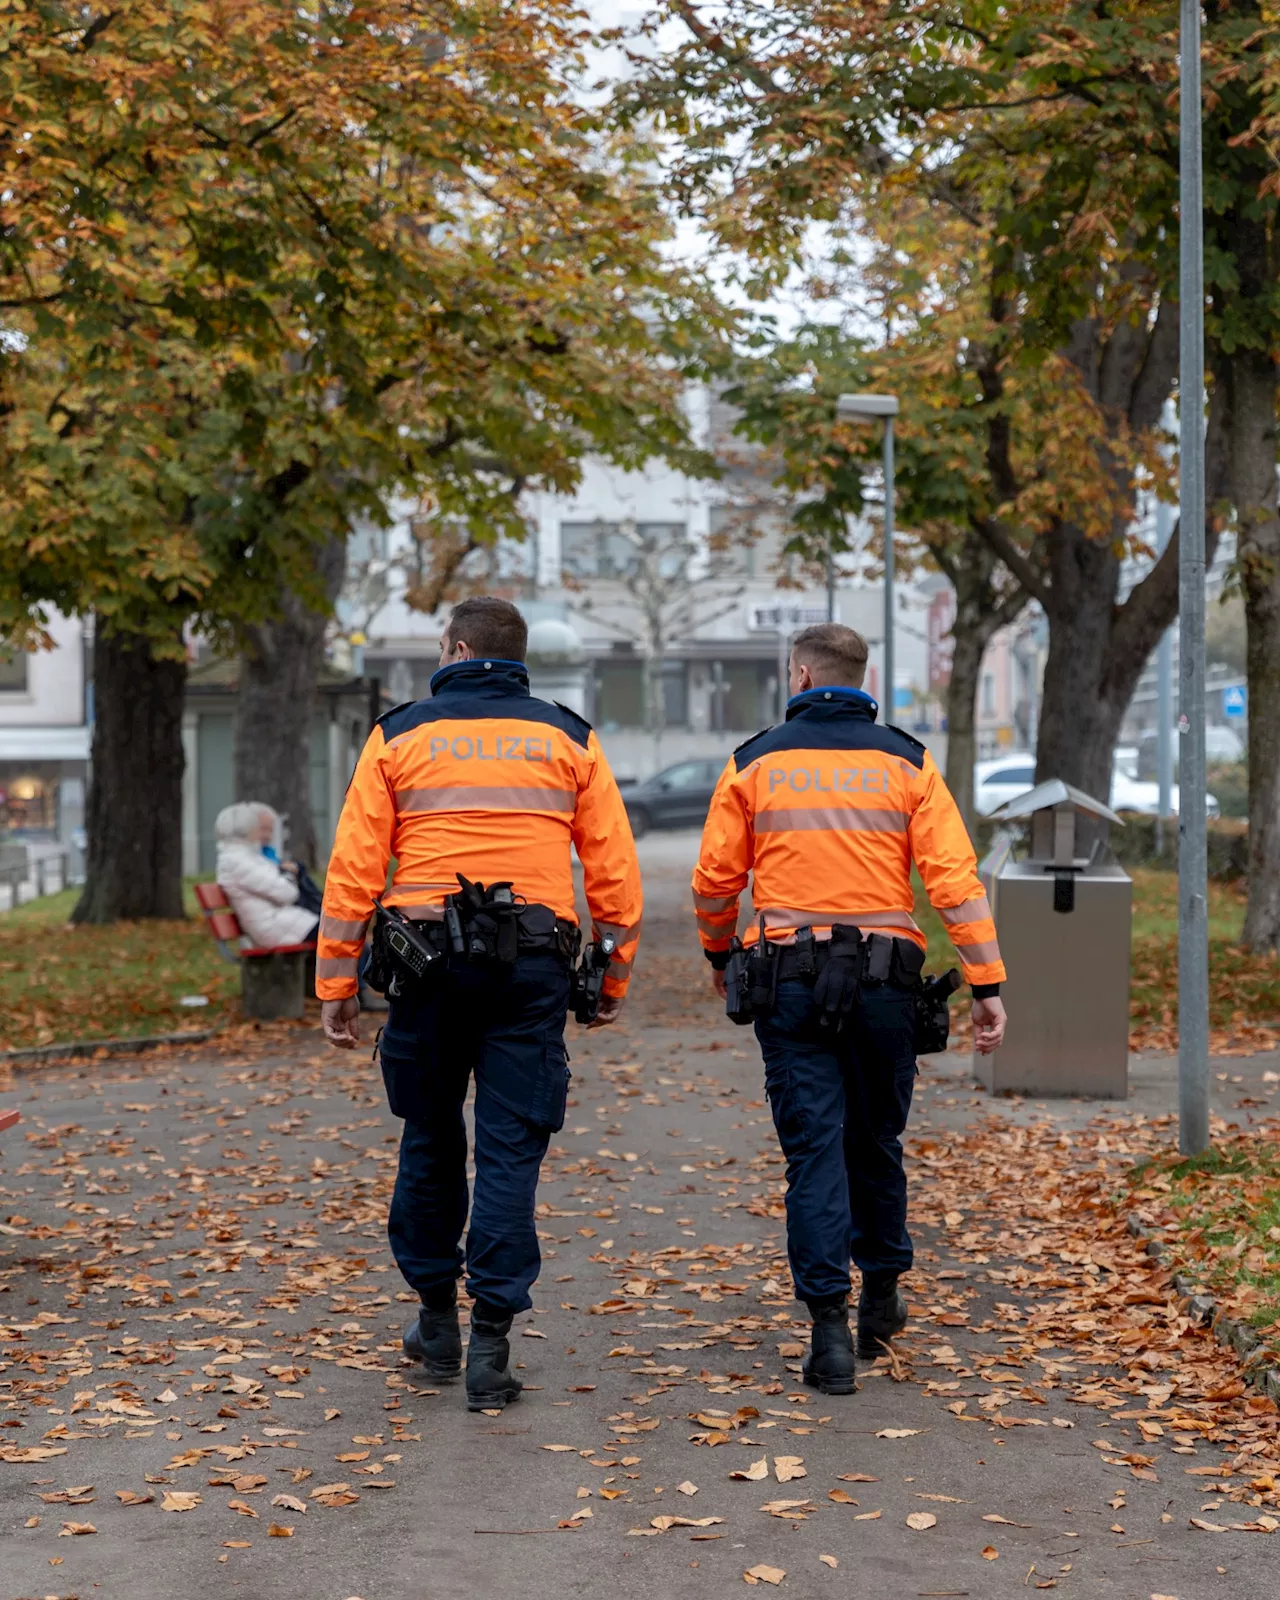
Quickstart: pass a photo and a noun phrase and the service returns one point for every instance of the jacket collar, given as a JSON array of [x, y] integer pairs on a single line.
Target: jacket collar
[[834, 699], [482, 676]]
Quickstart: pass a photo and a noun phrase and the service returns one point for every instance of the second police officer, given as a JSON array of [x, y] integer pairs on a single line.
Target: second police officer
[[826, 814], [482, 784]]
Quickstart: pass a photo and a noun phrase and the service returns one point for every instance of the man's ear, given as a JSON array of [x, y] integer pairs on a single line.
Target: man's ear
[[803, 677]]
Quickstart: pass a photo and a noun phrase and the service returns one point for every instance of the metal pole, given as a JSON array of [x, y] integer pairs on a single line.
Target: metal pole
[[886, 698], [831, 583], [1164, 696], [1193, 932]]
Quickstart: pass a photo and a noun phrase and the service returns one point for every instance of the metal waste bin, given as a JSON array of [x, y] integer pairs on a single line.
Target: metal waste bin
[[1064, 921]]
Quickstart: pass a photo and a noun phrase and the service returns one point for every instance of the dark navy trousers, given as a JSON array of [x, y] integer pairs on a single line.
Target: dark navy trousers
[[506, 1030], [840, 1107]]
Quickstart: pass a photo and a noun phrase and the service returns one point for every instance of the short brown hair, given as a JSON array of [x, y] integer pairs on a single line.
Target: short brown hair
[[492, 627], [833, 653]]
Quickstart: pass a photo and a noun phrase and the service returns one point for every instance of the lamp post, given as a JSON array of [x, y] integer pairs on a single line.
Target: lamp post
[[1193, 928], [866, 406]]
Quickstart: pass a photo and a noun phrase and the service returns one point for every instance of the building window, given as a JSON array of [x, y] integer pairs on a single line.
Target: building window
[[600, 549], [732, 542], [13, 673], [28, 804], [744, 695], [619, 694]]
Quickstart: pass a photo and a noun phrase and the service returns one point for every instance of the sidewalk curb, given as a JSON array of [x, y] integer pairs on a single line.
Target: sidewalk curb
[[1204, 1310], [114, 1047]]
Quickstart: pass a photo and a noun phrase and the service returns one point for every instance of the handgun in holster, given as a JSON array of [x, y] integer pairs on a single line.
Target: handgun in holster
[[933, 1012], [586, 987]]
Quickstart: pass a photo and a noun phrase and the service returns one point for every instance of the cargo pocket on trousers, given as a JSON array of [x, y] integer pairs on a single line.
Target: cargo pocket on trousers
[[533, 1085], [401, 1074]]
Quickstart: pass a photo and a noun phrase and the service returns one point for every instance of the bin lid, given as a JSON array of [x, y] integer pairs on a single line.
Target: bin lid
[[1047, 796]]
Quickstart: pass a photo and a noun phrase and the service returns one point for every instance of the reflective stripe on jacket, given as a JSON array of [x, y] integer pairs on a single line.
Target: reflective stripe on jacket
[[826, 813], [485, 780]]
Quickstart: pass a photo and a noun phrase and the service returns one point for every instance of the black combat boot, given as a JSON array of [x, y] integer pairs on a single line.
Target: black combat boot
[[433, 1337], [882, 1314], [490, 1384], [831, 1367]]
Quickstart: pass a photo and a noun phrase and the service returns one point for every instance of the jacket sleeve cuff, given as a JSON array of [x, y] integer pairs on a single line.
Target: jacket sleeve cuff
[[985, 991], [719, 959]]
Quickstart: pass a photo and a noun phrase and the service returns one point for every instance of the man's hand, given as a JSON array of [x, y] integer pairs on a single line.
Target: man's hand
[[718, 984], [610, 1010], [340, 1020], [988, 1025]]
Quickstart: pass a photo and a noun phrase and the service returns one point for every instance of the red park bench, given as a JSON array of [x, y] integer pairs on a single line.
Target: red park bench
[[8, 1118], [273, 978]]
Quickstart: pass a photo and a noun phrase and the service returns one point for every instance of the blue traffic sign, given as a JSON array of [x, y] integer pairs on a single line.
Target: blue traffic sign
[[1235, 701]]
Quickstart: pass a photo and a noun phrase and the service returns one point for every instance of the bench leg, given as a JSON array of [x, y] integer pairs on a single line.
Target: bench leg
[[271, 987]]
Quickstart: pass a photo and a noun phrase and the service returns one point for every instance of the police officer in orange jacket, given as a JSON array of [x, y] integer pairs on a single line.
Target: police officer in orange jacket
[[485, 782], [826, 813]]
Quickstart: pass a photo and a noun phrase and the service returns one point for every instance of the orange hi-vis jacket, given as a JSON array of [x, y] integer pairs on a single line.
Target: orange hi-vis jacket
[[826, 813], [485, 780]]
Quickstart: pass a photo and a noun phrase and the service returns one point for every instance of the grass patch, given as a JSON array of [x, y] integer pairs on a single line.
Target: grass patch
[[1244, 989], [60, 983], [1221, 1217]]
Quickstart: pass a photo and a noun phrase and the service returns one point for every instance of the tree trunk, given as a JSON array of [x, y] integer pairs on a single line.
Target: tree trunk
[[134, 812], [1254, 493], [962, 695], [279, 669], [1098, 649]]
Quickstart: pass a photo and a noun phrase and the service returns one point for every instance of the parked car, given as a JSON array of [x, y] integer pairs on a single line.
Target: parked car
[[677, 797], [1003, 778]]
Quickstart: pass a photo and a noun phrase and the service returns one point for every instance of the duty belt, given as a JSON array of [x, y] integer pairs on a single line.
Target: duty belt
[[887, 959], [537, 928]]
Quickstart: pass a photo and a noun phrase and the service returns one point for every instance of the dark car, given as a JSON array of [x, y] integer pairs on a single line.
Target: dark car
[[676, 797]]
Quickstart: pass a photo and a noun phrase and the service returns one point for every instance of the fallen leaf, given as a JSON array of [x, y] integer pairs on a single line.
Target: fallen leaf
[[829, 1561], [787, 1468], [1209, 1527], [899, 1433], [278, 1530], [920, 1520], [131, 1497], [533, 1333], [179, 1500], [994, 1516], [353, 1455], [289, 1503], [558, 1447], [990, 1553], [686, 1487], [842, 1497], [753, 1473], [763, 1574], [664, 1522], [868, 1516], [857, 1477], [71, 1530], [242, 1507]]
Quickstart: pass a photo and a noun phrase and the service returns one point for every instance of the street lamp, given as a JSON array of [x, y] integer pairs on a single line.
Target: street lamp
[[881, 405], [1193, 916]]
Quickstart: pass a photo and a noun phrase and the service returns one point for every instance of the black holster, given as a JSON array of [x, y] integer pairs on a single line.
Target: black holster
[[933, 1012], [487, 922], [587, 983], [751, 980]]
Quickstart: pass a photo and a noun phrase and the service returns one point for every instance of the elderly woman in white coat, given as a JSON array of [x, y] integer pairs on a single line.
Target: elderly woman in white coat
[[274, 905]]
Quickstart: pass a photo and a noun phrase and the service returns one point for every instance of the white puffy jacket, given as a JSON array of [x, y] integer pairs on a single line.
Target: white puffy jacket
[[262, 897]]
